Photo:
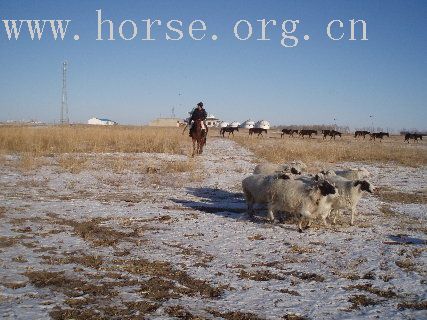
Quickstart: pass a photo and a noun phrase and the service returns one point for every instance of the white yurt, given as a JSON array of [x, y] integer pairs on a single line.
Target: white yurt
[[264, 124], [248, 124], [234, 124], [223, 124], [101, 122], [212, 121]]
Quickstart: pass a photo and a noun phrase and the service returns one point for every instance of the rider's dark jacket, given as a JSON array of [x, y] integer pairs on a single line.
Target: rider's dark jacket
[[198, 115]]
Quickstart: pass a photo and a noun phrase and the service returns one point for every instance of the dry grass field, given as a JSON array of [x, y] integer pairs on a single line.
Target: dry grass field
[[346, 149], [85, 139], [121, 223], [32, 142]]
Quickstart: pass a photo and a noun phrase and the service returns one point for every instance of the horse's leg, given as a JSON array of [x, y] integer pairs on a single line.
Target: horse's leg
[[201, 144], [194, 147]]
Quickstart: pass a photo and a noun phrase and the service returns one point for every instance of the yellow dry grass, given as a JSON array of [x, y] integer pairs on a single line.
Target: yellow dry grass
[[83, 139], [72, 146], [391, 150]]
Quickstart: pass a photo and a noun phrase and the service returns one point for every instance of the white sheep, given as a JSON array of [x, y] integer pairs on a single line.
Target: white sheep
[[303, 198], [350, 174], [354, 173], [350, 192], [295, 167], [325, 203]]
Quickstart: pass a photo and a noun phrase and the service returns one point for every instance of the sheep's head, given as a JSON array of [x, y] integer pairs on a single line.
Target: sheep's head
[[283, 176], [298, 165], [364, 185], [326, 188], [363, 173], [328, 172], [318, 177], [295, 170]]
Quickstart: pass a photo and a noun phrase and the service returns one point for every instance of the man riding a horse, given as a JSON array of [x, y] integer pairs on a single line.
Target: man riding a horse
[[198, 114], [198, 128]]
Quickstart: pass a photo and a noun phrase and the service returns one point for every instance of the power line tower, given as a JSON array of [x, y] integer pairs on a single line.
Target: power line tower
[[64, 99]]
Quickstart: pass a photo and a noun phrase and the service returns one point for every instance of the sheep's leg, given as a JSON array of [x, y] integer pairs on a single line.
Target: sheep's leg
[[250, 204], [324, 216], [335, 214], [300, 228], [353, 212], [304, 215], [270, 215], [250, 209]]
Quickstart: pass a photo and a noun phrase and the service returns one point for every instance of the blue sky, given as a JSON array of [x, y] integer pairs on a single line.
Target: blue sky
[[133, 82]]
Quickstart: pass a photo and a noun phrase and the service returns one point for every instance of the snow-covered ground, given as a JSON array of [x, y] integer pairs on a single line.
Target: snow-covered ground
[[153, 245]]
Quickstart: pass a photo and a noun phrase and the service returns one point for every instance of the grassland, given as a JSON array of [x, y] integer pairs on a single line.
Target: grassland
[[345, 149], [90, 139], [102, 230], [34, 142]]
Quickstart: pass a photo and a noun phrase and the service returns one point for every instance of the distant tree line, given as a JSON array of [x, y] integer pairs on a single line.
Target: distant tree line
[[405, 131]]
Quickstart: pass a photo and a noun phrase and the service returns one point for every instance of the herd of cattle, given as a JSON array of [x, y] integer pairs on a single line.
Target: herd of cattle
[[326, 133], [284, 188]]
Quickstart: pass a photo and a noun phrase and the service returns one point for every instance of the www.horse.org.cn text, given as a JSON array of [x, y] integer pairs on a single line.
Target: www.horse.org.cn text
[[175, 30]]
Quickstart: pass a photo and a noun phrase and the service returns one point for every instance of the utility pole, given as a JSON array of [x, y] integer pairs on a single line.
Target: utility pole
[[64, 100]]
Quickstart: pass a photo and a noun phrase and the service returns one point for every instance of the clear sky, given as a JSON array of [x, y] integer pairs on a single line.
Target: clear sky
[[133, 82]]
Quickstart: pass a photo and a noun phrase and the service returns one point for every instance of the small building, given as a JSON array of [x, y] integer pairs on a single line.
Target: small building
[[212, 121], [264, 124], [248, 124], [223, 124], [166, 122], [101, 122]]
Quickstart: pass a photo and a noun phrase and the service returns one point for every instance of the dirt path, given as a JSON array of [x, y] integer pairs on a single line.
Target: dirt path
[[120, 245]]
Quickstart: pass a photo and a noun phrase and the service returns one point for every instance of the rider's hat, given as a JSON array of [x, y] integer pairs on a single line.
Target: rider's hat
[[200, 104]]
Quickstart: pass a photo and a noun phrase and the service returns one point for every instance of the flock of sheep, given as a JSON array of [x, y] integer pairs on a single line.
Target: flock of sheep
[[285, 188]]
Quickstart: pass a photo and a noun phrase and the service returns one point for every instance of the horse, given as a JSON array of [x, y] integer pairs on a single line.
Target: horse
[[257, 130], [290, 132], [326, 133], [334, 133], [229, 130], [307, 132], [414, 136], [361, 133], [379, 135], [198, 135]]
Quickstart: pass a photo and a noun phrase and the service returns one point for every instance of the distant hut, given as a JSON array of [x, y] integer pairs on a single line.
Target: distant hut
[[264, 124], [234, 124], [248, 124], [101, 122], [212, 121], [223, 124], [166, 122]]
